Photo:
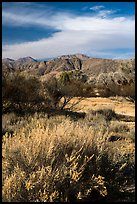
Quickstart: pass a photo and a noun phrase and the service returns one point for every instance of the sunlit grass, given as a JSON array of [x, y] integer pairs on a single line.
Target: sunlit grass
[[58, 159]]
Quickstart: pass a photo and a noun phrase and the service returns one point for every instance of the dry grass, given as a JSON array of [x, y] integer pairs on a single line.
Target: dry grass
[[57, 159]]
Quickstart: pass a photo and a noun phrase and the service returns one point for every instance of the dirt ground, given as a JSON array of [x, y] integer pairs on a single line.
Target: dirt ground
[[120, 105]]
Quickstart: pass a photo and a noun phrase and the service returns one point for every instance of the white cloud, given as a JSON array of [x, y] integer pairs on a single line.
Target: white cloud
[[25, 19], [105, 13], [84, 34], [96, 8]]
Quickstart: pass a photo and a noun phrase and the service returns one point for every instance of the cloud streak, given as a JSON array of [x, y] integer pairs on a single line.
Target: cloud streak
[[96, 8], [85, 34]]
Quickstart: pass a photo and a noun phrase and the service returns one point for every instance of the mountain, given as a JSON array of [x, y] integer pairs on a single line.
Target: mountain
[[7, 60], [7, 63], [117, 74], [25, 60], [90, 66], [43, 67], [21, 63], [79, 56]]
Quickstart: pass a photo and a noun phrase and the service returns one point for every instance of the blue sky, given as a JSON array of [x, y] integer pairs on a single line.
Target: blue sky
[[51, 29]]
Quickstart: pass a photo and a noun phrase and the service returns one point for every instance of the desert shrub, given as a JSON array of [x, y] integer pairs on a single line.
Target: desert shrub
[[68, 86], [61, 89], [55, 159], [95, 121], [65, 77], [20, 90], [12, 122], [52, 91], [103, 85], [119, 128], [107, 113], [131, 135], [53, 164], [74, 83], [14, 189]]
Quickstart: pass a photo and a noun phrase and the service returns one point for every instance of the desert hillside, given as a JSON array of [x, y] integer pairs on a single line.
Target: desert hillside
[[91, 66], [106, 76]]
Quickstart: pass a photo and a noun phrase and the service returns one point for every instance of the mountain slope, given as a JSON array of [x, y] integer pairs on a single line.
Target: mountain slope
[[91, 66], [104, 74]]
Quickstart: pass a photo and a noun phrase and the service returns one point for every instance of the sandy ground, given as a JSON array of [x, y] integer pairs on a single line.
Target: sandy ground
[[118, 104]]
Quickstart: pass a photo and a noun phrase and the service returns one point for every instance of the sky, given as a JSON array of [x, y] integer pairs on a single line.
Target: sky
[[45, 30]]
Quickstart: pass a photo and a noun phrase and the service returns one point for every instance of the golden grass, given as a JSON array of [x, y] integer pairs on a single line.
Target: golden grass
[[57, 159]]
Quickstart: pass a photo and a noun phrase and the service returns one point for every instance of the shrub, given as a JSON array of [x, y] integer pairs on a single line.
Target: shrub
[[55, 159], [20, 91], [119, 128], [108, 114]]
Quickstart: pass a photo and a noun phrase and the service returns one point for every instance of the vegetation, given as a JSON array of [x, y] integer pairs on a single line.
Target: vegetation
[[51, 154], [58, 159], [20, 92]]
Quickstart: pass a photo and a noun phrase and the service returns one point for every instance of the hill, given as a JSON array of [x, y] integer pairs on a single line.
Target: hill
[[102, 74], [91, 66]]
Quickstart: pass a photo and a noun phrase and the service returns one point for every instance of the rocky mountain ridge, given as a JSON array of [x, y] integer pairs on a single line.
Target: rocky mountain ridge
[[98, 72], [91, 66]]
